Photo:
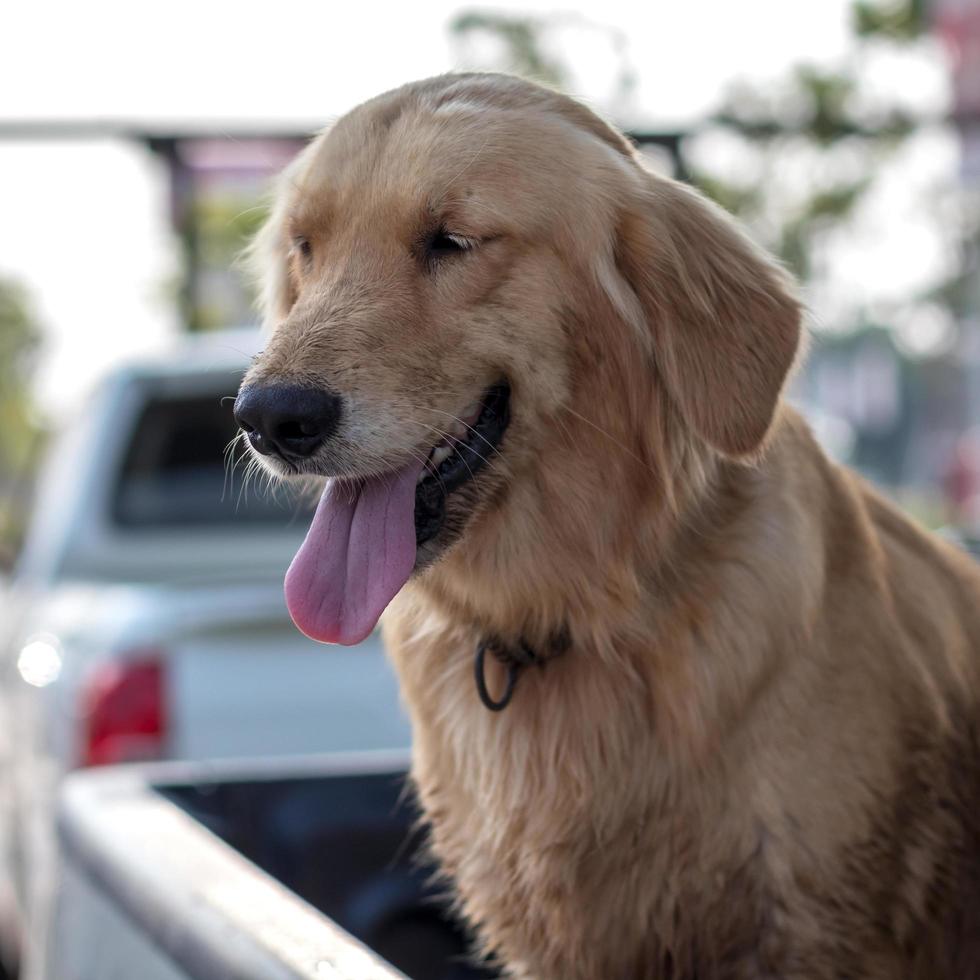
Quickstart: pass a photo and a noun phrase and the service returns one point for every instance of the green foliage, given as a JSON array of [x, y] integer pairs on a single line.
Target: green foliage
[[522, 38], [225, 229], [814, 216], [815, 117], [18, 343], [526, 43], [902, 21], [222, 226], [811, 114], [817, 103], [19, 340], [737, 198]]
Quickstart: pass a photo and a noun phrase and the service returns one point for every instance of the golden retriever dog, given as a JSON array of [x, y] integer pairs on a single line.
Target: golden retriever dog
[[689, 700]]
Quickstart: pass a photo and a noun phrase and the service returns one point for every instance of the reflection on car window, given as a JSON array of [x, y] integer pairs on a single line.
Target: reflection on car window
[[173, 472]]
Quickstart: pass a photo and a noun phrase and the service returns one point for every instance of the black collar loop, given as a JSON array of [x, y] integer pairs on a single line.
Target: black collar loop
[[514, 658]]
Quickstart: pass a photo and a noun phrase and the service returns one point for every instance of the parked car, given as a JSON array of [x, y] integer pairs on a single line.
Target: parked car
[[146, 617]]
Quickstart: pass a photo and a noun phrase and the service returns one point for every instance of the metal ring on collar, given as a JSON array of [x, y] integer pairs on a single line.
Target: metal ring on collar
[[513, 669]]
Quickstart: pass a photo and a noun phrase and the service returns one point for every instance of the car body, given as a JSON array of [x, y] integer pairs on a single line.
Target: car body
[[146, 618]]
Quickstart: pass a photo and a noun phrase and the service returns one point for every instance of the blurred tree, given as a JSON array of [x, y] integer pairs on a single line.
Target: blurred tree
[[19, 339], [813, 143], [905, 20], [223, 226], [796, 158], [811, 153], [531, 47], [523, 40]]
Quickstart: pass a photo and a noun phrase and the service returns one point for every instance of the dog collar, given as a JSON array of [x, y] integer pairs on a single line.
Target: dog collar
[[514, 658]]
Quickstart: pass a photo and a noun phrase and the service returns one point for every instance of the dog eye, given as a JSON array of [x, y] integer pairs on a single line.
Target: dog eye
[[444, 244], [303, 248]]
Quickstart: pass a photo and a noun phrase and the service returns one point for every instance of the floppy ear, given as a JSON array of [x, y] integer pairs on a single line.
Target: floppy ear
[[722, 316]]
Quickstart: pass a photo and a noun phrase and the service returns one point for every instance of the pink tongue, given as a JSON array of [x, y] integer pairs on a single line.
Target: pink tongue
[[359, 551]]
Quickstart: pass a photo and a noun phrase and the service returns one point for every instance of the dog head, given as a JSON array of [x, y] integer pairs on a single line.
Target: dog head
[[454, 276]]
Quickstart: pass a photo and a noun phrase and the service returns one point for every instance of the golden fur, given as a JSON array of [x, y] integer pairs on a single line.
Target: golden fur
[[759, 755]]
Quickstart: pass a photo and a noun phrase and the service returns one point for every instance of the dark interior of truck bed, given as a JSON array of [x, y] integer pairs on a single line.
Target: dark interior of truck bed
[[348, 845]]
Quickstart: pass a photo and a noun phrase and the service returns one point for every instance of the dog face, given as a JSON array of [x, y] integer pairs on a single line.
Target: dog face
[[443, 271]]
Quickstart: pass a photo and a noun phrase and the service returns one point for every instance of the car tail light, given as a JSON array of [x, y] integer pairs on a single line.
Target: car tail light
[[125, 711]]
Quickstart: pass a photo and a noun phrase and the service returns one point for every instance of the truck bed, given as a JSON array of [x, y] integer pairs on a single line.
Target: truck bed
[[309, 870]]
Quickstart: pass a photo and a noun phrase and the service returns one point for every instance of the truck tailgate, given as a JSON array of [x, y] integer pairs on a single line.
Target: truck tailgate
[[148, 892]]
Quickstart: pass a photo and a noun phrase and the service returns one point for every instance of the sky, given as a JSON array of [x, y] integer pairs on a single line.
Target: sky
[[85, 226]]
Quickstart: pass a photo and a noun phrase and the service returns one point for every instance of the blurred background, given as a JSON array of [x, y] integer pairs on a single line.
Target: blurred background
[[141, 610], [136, 147]]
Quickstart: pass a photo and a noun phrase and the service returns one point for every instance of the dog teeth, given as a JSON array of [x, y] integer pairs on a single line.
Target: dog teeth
[[456, 436], [440, 454]]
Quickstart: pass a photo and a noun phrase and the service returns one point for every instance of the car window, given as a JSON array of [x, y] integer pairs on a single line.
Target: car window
[[173, 471]]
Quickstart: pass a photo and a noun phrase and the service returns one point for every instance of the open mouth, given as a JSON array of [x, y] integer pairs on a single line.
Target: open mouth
[[467, 449], [363, 542]]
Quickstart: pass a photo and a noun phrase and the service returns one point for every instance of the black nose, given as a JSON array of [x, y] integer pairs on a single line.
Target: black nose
[[291, 421]]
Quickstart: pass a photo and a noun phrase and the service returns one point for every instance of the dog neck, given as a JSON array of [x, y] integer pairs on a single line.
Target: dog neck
[[571, 549], [654, 595], [643, 709]]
